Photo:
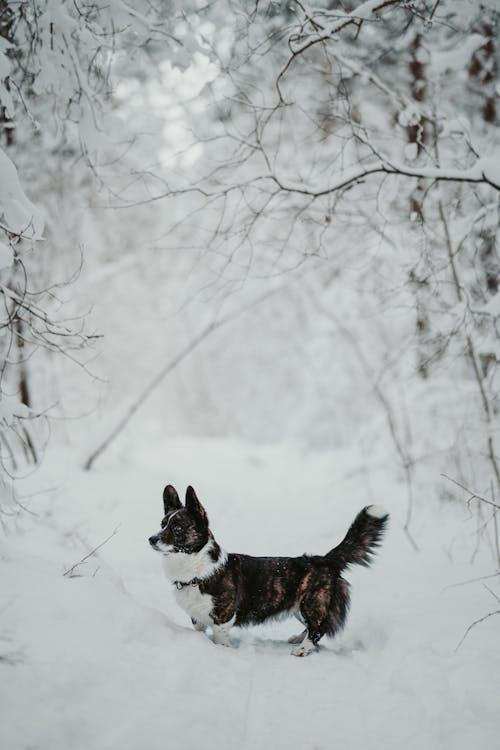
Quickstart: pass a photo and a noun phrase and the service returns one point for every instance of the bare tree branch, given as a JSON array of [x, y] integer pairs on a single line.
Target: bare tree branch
[[161, 375], [472, 495]]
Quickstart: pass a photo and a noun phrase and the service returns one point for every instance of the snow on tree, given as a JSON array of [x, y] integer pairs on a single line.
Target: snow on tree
[[338, 161], [352, 152], [57, 64]]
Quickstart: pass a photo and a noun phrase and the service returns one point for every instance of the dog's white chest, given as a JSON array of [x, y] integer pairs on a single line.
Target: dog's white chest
[[184, 568], [197, 605]]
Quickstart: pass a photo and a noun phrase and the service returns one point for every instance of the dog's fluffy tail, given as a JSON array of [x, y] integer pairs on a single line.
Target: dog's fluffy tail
[[361, 541]]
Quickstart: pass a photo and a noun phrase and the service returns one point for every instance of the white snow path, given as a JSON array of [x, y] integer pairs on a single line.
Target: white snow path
[[107, 661]]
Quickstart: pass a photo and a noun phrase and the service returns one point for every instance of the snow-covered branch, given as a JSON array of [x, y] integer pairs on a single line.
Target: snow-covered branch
[[303, 41], [480, 172]]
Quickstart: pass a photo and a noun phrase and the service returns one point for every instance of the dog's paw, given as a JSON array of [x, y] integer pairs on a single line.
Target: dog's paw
[[304, 650], [219, 642], [221, 639]]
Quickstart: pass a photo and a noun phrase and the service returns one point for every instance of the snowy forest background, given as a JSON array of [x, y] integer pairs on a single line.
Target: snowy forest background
[[262, 230]]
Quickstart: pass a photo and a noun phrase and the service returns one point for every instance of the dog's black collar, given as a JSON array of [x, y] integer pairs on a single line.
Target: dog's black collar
[[181, 584]]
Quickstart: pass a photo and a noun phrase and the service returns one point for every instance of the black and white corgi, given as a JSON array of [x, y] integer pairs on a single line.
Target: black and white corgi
[[219, 590]]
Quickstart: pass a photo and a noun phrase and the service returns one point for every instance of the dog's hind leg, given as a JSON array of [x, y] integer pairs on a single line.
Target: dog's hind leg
[[324, 613], [298, 638], [313, 613]]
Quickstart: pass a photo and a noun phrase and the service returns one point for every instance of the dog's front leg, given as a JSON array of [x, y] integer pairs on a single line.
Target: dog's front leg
[[223, 618], [221, 634], [197, 625]]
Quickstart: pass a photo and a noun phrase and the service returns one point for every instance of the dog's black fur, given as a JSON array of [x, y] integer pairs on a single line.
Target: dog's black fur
[[247, 590]]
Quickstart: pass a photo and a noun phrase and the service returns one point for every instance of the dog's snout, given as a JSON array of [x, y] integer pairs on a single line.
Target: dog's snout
[[153, 540]]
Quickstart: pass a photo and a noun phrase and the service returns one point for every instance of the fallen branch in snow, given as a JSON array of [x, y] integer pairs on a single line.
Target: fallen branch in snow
[[152, 385], [69, 572], [165, 370]]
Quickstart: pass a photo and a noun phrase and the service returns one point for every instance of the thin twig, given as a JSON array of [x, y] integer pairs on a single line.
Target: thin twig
[[473, 495], [495, 596], [473, 624], [69, 572], [472, 580]]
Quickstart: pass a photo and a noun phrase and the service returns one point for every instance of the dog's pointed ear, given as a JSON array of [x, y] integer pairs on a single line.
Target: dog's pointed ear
[[171, 499], [194, 506]]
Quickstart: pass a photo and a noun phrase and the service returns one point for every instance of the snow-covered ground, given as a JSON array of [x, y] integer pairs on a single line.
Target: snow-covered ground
[[105, 660]]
